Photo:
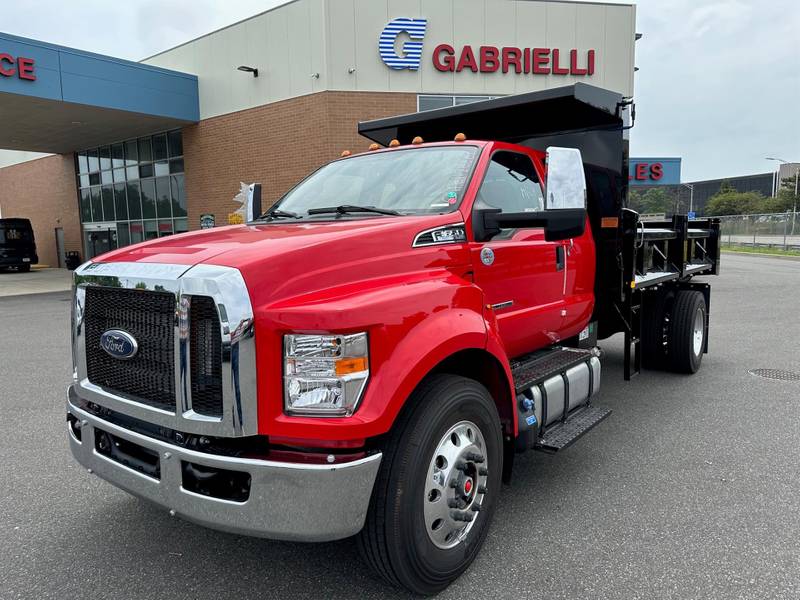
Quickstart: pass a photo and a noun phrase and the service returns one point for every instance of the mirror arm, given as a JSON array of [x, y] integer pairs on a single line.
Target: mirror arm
[[518, 220]]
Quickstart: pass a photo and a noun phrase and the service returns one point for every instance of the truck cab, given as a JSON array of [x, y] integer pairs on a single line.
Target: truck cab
[[367, 356]]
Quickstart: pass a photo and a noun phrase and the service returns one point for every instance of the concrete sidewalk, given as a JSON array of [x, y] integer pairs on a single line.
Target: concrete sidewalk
[[37, 281]]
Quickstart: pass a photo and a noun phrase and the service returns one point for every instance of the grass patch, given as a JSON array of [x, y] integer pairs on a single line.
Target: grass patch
[[760, 250]]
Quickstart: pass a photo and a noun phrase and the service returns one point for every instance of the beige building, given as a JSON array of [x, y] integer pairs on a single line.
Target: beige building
[[274, 97]]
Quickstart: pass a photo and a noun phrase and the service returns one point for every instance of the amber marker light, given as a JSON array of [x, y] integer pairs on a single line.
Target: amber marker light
[[394, 144], [460, 137], [416, 141], [346, 153], [346, 366], [373, 147]]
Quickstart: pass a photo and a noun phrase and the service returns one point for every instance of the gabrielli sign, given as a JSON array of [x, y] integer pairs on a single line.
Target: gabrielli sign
[[20, 67], [654, 171], [481, 59], [536, 61]]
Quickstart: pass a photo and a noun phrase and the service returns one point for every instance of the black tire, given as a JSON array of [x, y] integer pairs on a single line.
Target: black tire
[[688, 308], [23, 268], [395, 540], [654, 330]]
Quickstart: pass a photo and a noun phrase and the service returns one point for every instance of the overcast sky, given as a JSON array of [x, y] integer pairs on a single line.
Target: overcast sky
[[718, 85]]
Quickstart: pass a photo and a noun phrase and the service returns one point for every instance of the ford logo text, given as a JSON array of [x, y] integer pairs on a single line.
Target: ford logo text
[[119, 344]]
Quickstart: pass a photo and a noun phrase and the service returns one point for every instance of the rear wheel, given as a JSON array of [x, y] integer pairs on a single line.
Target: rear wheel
[[687, 331], [437, 488], [655, 328]]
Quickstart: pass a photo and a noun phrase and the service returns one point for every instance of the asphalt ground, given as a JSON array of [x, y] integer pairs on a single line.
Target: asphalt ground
[[689, 490], [36, 281]]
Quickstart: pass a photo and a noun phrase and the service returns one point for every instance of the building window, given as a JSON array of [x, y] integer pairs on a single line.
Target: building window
[[434, 101], [130, 191]]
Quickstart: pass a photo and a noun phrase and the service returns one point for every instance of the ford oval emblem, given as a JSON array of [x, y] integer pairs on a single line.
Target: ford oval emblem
[[119, 344], [487, 256]]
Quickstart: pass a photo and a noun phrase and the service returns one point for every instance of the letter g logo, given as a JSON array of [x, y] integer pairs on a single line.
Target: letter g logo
[[412, 51]]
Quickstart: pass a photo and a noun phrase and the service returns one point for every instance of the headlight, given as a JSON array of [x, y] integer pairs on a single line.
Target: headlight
[[324, 375]]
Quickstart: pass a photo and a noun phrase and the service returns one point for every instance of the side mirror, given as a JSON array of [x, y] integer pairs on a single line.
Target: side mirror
[[561, 224], [566, 182]]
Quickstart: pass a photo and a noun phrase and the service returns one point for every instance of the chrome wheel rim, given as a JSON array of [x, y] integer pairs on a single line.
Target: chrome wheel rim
[[699, 331], [456, 485]]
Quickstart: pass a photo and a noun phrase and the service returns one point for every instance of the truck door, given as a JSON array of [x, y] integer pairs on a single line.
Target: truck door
[[520, 273]]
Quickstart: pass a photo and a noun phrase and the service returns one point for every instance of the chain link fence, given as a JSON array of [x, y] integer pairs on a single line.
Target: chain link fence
[[773, 230]]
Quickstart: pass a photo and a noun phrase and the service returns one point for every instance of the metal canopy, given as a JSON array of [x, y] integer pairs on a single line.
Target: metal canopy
[[41, 125], [573, 108], [74, 99]]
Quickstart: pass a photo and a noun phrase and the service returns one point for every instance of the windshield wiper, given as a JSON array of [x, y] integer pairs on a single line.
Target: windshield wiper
[[350, 208], [279, 214]]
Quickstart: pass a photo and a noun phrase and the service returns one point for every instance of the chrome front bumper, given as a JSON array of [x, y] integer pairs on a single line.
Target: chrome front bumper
[[287, 501]]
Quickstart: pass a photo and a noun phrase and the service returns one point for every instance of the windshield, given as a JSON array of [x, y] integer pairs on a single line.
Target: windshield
[[410, 181]]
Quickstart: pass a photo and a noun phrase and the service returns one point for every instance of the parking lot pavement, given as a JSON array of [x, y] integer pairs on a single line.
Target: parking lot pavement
[[689, 490], [37, 281]]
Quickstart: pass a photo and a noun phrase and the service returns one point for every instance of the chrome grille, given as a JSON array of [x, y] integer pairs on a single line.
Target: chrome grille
[[205, 352], [209, 354], [149, 316]]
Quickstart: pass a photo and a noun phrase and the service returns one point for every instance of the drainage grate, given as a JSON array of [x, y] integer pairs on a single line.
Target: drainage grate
[[778, 374]]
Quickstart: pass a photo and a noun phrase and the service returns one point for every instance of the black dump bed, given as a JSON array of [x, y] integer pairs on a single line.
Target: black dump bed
[[537, 119]]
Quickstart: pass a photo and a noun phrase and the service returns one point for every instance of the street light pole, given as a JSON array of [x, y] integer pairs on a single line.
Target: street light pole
[[691, 195]]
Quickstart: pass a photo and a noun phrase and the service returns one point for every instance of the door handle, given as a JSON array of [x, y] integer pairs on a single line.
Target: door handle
[[560, 258]]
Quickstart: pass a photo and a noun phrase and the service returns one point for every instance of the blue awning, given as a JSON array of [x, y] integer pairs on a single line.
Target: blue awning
[[67, 100]]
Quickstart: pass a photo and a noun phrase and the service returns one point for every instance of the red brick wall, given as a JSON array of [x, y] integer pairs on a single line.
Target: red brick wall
[[275, 145], [44, 191]]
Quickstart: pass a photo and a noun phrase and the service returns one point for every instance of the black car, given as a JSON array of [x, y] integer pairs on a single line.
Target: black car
[[17, 246]]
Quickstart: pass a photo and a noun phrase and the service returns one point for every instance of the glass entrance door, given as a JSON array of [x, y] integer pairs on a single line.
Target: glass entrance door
[[99, 238]]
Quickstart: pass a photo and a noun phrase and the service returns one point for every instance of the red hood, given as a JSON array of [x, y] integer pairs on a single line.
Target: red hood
[[289, 258]]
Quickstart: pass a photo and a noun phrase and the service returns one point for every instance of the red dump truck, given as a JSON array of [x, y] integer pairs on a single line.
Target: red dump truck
[[367, 357]]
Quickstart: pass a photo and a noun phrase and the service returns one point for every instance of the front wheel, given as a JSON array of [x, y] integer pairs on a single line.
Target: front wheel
[[437, 488]]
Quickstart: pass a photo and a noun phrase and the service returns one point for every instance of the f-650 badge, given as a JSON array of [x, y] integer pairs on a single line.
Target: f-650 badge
[[119, 344]]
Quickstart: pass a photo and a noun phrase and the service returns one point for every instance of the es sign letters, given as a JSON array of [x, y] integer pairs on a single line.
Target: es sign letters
[[654, 171], [16, 67]]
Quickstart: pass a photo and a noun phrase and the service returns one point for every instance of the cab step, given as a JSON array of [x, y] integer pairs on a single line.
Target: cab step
[[566, 432], [534, 368]]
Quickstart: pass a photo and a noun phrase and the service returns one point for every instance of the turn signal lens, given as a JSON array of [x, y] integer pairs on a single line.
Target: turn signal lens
[[345, 366]]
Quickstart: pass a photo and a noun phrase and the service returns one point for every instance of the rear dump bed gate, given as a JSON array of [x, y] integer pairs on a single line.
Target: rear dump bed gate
[[659, 252]]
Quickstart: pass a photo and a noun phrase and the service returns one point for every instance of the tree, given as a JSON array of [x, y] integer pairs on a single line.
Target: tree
[[653, 200], [727, 201], [786, 200]]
